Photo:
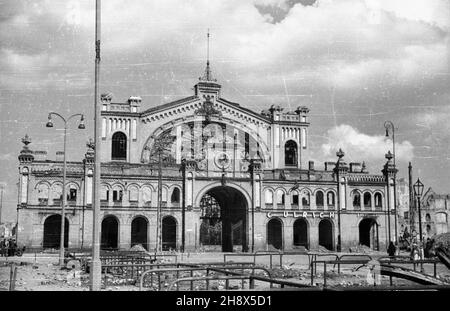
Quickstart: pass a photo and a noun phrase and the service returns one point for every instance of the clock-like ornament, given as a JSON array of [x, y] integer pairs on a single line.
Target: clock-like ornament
[[222, 160]]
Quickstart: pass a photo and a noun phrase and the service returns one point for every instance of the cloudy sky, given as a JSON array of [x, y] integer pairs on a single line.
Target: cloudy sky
[[354, 63]]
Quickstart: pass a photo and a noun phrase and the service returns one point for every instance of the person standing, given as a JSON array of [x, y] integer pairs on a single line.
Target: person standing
[[391, 249]]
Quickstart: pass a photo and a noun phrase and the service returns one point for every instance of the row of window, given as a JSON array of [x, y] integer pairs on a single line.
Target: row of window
[[133, 195], [295, 197], [367, 199], [105, 193], [279, 198]]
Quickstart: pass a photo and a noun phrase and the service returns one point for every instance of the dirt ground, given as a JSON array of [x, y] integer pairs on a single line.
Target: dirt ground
[[40, 272]]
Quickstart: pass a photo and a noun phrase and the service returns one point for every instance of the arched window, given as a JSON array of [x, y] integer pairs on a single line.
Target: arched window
[[290, 153], [119, 146], [377, 198], [319, 198], [57, 194], [330, 198], [175, 198], [72, 193], [104, 193], [43, 194], [117, 195], [147, 195], [133, 194], [294, 198], [280, 197], [356, 199], [367, 199], [305, 198], [427, 217], [269, 196]]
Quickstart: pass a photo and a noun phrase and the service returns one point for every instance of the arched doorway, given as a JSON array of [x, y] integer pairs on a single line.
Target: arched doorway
[[169, 233], [326, 234], [110, 233], [301, 233], [275, 233], [139, 230], [52, 232], [224, 221], [368, 233]]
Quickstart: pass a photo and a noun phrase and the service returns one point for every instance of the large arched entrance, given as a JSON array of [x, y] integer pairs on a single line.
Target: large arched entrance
[[169, 233], [139, 230], [110, 233], [275, 234], [224, 221], [326, 234], [52, 232], [368, 233], [301, 233]]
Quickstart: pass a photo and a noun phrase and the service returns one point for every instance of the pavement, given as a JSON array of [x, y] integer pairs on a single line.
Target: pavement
[[40, 272]]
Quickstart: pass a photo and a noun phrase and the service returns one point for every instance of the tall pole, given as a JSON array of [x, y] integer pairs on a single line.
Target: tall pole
[[158, 211], [96, 264], [411, 200], [420, 228], [1, 203], [340, 154], [64, 201], [388, 207], [183, 205], [389, 125], [64, 195], [253, 203]]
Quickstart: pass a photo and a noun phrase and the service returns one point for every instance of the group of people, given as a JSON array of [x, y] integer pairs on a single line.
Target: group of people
[[8, 247]]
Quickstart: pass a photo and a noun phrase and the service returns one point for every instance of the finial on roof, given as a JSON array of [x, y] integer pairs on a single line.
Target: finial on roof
[[26, 140], [207, 76]]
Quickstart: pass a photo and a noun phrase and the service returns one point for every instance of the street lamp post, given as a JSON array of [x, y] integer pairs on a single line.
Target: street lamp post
[[340, 154], [388, 125], [64, 198], [160, 146], [418, 190]]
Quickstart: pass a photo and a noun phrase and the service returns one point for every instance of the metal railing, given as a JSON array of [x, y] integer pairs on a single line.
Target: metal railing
[[193, 268]]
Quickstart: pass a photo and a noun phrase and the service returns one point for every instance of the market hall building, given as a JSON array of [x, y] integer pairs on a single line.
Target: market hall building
[[244, 176]]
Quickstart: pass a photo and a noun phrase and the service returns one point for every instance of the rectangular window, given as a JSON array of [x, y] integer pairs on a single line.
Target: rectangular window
[[406, 215], [133, 194], [295, 199], [117, 195], [104, 196], [72, 195], [247, 143]]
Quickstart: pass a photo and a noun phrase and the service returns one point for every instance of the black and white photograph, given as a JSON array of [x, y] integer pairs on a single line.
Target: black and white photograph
[[226, 151]]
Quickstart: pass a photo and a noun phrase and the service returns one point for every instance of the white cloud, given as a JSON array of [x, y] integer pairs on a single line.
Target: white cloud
[[362, 147]]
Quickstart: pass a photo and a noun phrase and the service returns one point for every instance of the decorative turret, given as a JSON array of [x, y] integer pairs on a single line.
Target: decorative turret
[[106, 98], [341, 166], [90, 154], [26, 155], [389, 169]]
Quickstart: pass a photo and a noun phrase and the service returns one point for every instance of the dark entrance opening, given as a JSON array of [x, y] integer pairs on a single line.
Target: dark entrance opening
[[169, 233], [326, 234], [301, 233], [368, 233], [110, 233], [224, 221], [52, 232], [139, 227], [275, 234]]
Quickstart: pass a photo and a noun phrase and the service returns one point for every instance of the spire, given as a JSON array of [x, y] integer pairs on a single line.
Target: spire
[[207, 76]]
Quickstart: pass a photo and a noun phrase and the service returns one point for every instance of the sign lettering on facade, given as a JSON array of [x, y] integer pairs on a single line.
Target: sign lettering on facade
[[286, 214]]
